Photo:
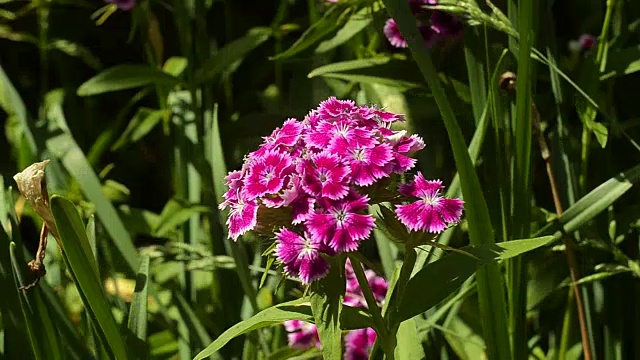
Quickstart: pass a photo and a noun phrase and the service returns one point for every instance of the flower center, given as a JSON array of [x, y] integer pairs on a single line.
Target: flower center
[[358, 154], [323, 175], [267, 174], [340, 215]]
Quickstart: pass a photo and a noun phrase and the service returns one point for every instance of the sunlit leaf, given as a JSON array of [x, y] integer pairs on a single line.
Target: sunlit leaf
[[122, 77], [78, 254]]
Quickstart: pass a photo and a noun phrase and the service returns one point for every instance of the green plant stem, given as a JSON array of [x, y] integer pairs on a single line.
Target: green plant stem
[[373, 308], [393, 324], [571, 258], [566, 325], [586, 133], [490, 281]]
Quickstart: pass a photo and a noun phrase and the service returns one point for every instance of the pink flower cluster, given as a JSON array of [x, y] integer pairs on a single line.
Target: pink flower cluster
[[358, 343], [434, 25], [317, 175]]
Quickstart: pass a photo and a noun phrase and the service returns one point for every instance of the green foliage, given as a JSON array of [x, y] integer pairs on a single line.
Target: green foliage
[[142, 113]]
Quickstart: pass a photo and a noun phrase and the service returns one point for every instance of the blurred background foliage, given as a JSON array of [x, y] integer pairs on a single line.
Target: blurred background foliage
[[107, 95]]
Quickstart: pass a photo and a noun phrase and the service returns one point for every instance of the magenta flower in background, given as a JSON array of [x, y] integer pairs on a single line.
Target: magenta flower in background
[[583, 44], [439, 25], [302, 335], [358, 343], [392, 32], [125, 5], [432, 212]]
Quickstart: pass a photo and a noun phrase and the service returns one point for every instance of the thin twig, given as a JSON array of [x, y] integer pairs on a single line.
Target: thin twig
[[571, 257], [37, 264]]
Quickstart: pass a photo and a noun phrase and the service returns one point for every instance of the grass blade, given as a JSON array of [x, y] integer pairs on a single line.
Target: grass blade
[[122, 77], [137, 322], [490, 282], [64, 147], [78, 254]]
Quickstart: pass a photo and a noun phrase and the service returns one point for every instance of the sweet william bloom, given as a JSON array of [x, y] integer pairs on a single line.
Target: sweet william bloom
[[370, 164], [340, 137], [310, 174], [431, 212], [302, 335], [325, 176], [125, 5], [358, 344], [242, 217], [301, 256], [267, 174], [392, 32], [343, 225], [439, 26]]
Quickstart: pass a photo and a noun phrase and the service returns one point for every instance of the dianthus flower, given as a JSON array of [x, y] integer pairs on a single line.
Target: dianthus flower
[[583, 44], [431, 212], [311, 182], [358, 343], [125, 5], [434, 25]]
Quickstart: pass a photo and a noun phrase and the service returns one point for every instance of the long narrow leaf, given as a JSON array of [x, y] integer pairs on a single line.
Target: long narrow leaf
[[65, 148], [490, 282], [77, 253]]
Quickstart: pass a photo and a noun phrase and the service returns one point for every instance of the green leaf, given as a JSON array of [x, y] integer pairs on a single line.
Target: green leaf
[[232, 52], [12, 104], [453, 269], [450, 271], [513, 248], [588, 115], [175, 213], [409, 346], [137, 322], [140, 125], [83, 268], [28, 313], [16, 329], [293, 310], [622, 62], [64, 147], [128, 76], [394, 71], [490, 282], [596, 201], [326, 304], [463, 340], [332, 20], [356, 23], [175, 65]]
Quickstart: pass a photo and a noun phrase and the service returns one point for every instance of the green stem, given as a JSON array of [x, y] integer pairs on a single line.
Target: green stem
[[490, 281], [393, 322], [372, 304]]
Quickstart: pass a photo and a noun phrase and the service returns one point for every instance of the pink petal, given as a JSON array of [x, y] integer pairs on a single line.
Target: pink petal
[[392, 32], [302, 207], [242, 218], [321, 226], [312, 268], [359, 226], [290, 244], [451, 210], [342, 241]]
